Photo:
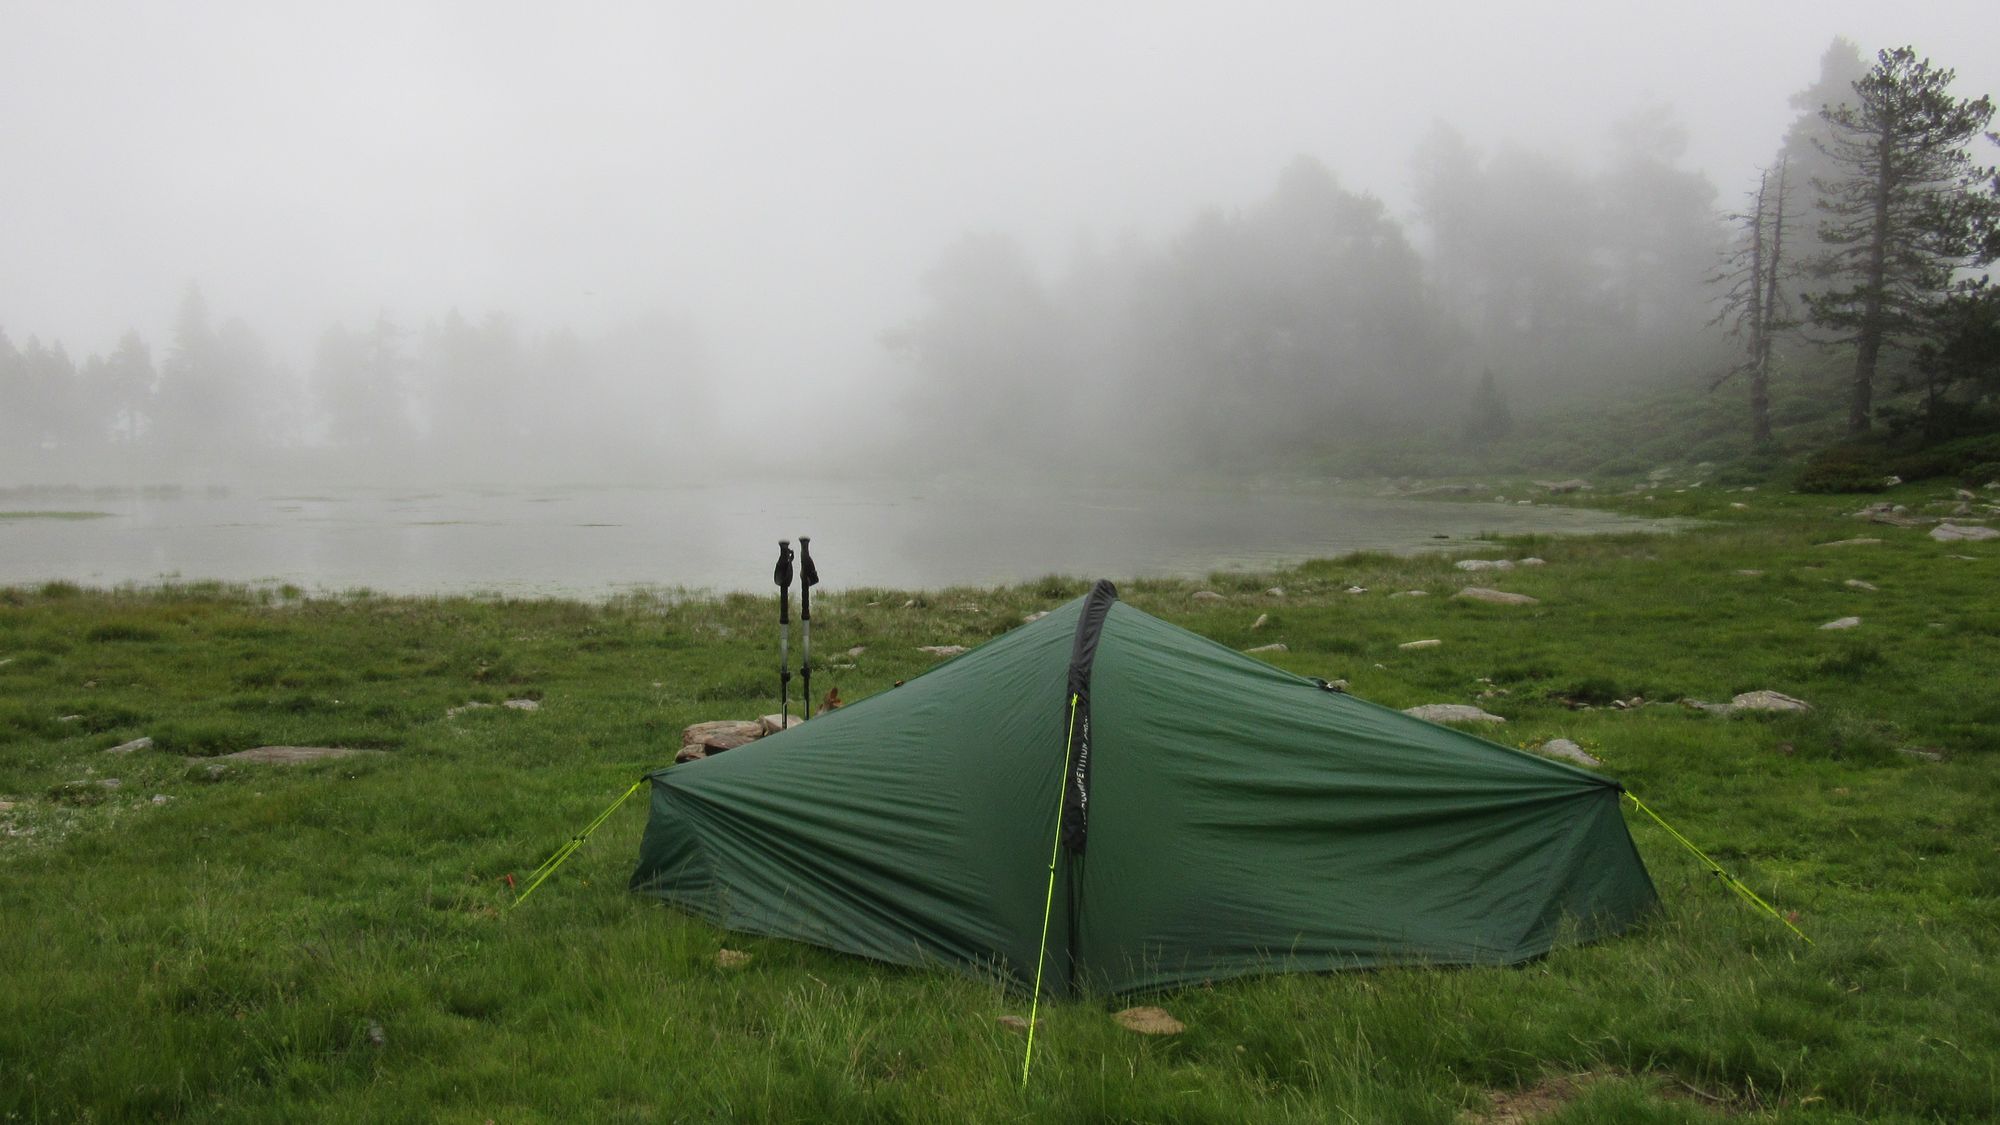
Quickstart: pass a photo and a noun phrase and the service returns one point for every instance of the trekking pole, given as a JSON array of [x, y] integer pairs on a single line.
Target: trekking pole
[[782, 575], [808, 578]]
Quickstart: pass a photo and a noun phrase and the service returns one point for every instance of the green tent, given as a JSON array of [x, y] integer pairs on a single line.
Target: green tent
[[1218, 817]]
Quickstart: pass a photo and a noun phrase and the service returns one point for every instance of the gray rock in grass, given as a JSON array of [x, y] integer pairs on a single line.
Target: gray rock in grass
[[1451, 713]]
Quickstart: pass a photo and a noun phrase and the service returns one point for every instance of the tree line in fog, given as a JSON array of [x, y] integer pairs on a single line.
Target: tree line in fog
[[1251, 336]]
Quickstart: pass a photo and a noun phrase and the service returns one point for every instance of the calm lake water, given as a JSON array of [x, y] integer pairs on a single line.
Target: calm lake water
[[593, 542]]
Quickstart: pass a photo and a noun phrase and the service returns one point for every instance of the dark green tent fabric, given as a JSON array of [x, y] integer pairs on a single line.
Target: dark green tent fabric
[[1241, 820]]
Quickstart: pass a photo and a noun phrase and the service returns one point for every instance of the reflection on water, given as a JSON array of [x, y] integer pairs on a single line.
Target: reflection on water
[[596, 541]]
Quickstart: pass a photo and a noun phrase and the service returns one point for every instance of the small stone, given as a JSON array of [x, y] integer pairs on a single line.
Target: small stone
[[1962, 533], [1858, 584], [1750, 573], [1275, 592], [1207, 596], [161, 798], [1408, 646], [1263, 619], [1966, 494], [777, 721], [1279, 647], [455, 712], [1568, 751], [1558, 488], [1149, 1021], [1451, 713], [6, 806], [1495, 597], [1357, 589], [1411, 594], [911, 604], [1855, 542], [376, 1036], [110, 783], [1012, 1023], [132, 746], [1708, 708], [1031, 618], [1531, 561], [1768, 701], [857, 650], [1484, 564], [522, 705], [731, 958], [944, 650], [1739, 505], [1842, 623]]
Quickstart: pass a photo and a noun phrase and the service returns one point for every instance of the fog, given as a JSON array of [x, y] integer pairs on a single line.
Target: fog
[[674, 237]]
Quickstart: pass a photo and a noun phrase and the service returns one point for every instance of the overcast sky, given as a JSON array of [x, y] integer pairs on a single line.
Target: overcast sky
[[783, 172]]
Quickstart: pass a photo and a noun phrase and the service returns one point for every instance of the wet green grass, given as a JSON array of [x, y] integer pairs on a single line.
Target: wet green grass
[[332, 941]]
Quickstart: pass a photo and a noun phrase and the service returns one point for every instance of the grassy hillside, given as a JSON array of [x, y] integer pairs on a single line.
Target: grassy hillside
[[332, 941]]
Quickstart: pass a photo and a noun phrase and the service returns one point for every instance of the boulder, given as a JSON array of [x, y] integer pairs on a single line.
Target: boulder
[[1495, 597], [129, 747], [1451, 713], [740, 730], [1842, 623], [1432, 642], [777, 721], [1568, 751], [1962, 533], [1768, 701], [290, 755]]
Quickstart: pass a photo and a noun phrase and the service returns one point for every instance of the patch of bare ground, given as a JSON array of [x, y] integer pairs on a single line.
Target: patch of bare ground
[[1552, 1093]]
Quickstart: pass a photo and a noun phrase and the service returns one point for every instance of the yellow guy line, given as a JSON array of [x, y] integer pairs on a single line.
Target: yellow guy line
[[550, 864], [1728, 880], [1049, 899]]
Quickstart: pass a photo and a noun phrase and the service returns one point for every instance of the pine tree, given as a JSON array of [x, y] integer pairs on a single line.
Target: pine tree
[[1903, 213]]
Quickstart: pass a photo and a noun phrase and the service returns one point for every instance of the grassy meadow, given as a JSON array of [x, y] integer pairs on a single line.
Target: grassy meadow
[[333, 941]]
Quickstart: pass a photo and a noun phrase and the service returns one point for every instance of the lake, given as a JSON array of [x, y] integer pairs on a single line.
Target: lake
[[598, 541]]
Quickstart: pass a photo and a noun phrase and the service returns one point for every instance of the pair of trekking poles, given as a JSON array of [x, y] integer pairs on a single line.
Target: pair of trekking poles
[[808, 578]]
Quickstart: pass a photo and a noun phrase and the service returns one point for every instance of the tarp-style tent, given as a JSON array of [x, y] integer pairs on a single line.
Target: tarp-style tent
[[1218, 817]]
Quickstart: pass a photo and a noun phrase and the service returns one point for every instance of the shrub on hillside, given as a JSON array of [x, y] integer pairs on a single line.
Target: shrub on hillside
[[1861, 466]]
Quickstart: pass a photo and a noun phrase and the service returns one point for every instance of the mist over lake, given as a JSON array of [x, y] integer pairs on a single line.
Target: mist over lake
[[598, 541]]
